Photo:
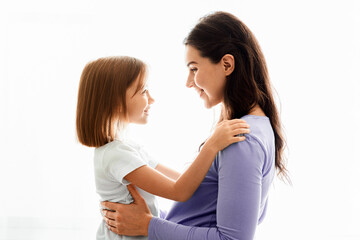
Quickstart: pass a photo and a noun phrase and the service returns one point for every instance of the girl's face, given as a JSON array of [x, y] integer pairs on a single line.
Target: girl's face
[[138, 103], [207, 78]]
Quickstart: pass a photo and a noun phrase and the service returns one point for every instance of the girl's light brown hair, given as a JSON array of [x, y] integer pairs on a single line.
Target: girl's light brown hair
[[102, 97]]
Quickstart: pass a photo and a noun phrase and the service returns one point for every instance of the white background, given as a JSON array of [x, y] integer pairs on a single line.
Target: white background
[[46, 177]]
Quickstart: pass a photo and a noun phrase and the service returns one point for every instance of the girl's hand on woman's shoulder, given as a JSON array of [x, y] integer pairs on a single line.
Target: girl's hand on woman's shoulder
[[227, 132]]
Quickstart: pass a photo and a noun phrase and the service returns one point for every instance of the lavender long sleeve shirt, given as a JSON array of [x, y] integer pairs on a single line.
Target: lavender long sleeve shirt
[[232, 199]]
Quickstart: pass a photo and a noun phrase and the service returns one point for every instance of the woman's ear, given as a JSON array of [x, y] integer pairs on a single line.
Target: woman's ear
[[228, 63]]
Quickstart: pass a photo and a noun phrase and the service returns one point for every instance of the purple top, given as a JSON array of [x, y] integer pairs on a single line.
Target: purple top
[[232, 198]]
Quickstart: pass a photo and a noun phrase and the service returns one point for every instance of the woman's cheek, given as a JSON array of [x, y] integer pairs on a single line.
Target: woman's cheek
[[198, 81]]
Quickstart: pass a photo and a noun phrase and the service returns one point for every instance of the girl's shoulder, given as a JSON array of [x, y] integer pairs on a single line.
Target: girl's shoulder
[[123, 146], [121, 149], [116, 148]]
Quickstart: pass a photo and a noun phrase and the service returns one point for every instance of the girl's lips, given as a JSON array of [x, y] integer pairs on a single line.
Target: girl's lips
[[146, 111]]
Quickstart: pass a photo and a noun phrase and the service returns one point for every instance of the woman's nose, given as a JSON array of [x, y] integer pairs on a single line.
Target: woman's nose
[[189, 82]]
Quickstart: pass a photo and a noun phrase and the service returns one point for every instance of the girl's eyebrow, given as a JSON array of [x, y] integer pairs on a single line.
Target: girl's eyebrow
[[192, 62]]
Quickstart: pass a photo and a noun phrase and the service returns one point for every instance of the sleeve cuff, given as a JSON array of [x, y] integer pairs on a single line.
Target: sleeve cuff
[[152, 227], [153, 163]]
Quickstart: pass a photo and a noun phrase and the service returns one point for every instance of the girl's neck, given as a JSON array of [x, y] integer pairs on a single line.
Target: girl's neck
[[121, 132]]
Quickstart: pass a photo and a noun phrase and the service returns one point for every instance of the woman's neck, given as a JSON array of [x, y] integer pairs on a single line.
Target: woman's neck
[[257, 111]]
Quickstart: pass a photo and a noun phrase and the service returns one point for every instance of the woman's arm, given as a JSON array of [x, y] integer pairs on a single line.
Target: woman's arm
[[238, 204], [182, 189], [239, 196]]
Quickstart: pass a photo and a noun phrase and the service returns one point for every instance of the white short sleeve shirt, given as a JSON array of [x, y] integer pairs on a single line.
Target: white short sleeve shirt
[[112, 162]]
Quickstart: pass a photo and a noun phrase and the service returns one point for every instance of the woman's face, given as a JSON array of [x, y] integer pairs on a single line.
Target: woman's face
[[207, 78]]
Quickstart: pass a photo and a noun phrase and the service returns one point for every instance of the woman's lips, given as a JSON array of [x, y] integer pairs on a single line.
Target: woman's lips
[[201, 92]]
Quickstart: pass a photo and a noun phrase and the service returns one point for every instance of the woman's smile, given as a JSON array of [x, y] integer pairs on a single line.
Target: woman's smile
[[201, 92]]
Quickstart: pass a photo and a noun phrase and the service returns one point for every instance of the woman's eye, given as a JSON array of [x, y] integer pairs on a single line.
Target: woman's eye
[[193, 70], [144, 91]]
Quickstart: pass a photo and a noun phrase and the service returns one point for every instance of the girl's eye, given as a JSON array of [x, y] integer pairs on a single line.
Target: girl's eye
[[144, 91]]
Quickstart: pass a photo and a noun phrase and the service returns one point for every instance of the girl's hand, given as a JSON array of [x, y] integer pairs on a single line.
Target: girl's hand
[[128, 219], [226, 133]]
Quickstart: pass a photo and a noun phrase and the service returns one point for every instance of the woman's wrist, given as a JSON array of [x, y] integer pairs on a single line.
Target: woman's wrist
[[147, 221]]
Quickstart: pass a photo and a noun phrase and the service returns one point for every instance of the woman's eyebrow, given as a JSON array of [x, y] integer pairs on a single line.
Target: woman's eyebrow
[[192, 62]]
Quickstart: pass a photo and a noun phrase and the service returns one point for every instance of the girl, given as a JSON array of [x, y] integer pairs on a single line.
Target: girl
[[112, 94], [226, 66]]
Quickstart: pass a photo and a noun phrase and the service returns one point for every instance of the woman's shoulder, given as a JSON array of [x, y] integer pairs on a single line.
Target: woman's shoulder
[[256, 148], [246, 158], [252, 157], [260, 130], [245, 148]]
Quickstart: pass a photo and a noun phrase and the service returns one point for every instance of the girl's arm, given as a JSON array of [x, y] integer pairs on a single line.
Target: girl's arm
[[238, 203], [182, 189], [170, 173]]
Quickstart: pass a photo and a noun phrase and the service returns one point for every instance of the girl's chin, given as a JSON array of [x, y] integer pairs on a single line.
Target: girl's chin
[[207, 106], [142, 121]]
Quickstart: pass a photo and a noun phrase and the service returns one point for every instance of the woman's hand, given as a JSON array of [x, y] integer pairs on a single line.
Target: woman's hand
[[128, 219], [226, 133]]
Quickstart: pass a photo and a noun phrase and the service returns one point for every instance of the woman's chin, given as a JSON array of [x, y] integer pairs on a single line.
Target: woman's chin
[[209, 104]]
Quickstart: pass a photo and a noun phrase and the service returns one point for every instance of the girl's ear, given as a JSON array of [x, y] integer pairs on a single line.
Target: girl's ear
[[228, 63]]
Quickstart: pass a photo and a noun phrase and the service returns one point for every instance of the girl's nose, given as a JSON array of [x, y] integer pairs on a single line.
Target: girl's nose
[[150, 99]]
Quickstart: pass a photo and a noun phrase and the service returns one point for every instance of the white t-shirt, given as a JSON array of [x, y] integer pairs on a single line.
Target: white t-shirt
[[112, 162]]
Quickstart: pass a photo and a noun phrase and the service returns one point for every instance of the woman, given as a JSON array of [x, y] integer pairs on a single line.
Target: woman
[[226, 66]]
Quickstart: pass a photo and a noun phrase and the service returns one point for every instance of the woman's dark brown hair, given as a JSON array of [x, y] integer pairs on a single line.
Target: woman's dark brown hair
[[102, 97], [222, 33]]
